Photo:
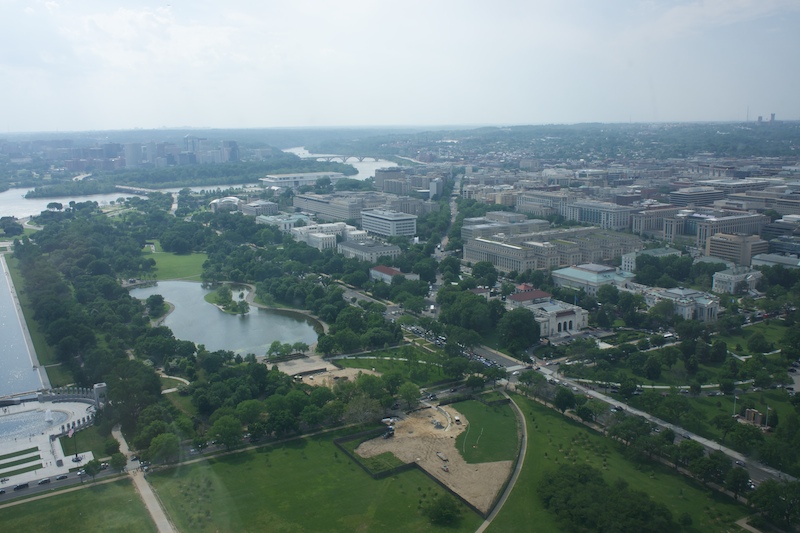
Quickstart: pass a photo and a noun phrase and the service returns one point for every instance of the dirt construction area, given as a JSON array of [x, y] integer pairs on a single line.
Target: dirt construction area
[[428, 437], [330, 377]]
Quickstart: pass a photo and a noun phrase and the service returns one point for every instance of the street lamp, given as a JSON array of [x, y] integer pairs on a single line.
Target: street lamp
[[734, 404]]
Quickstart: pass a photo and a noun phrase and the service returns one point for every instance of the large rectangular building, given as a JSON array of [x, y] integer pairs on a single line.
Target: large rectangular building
[[369, 251], [731, 279], [294, 181], [603, 214], [748, 224], [550, 249], [739, 249], [689, 303], [651, 221], [589, 277], [388, 223], [696, 196]]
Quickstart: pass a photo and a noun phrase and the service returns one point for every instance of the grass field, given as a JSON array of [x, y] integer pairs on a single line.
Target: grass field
[[423, 373], [59, 376], [172, 266], [184, 403], [305, 485], [773, 331], [708, 407], [44, 353], [108, 507], [554, 440], [376, 463], [491, 435], [169, 383], [88, 440]]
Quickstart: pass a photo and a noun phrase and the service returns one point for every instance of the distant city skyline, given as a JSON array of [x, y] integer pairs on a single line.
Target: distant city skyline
[[92, 65]]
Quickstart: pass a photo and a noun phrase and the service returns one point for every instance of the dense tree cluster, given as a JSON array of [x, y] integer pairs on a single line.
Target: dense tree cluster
[[671, 271], [583, 501], [71, 269], [187, 175], [357, 329]]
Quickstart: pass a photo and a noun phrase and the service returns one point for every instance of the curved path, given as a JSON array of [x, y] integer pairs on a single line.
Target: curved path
[[517, 469]]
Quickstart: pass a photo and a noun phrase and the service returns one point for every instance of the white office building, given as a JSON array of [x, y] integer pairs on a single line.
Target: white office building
[[731, 279], [388, 223]]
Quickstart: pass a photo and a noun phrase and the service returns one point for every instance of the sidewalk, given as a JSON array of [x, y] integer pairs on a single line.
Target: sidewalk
[[149, 498]]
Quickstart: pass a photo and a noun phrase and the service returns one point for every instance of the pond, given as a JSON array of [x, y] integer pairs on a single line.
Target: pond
[[198, 321]]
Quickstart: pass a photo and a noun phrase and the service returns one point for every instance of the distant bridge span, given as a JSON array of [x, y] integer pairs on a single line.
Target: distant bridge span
[[345, 158], [135, 190]]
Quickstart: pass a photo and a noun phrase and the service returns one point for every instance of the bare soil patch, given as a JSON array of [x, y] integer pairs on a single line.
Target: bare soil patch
[[303, 364], [330, 377], [418, 438]]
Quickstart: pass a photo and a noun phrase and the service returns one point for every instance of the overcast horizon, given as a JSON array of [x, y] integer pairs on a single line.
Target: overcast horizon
[[96, 66]]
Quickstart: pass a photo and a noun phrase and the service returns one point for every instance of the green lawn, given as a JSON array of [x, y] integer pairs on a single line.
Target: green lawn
[[554, 440], [709, 407], [376, 463], [184, 403], [169, 383], [304, 485], [59, 376], [44, 353], [108, 507], [423, 373], [173, 266], [773, 331], [88, 440], [491, 434]]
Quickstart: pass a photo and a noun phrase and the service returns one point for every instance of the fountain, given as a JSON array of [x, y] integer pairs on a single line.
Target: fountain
[[48, 416]]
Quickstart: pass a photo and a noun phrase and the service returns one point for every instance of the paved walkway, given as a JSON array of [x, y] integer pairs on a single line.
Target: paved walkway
[[514, 475], [149, 498], [742, 523], [176, 378]]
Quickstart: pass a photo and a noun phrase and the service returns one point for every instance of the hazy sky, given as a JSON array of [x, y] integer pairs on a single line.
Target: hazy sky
[[106, 64]]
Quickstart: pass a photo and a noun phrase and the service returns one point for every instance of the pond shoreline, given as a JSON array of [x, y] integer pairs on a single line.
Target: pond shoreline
[[189, 319]]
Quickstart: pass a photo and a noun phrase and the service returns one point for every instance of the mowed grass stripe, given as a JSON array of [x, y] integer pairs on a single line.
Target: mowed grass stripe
[[20, 461], [30, 468], [21, 452]]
